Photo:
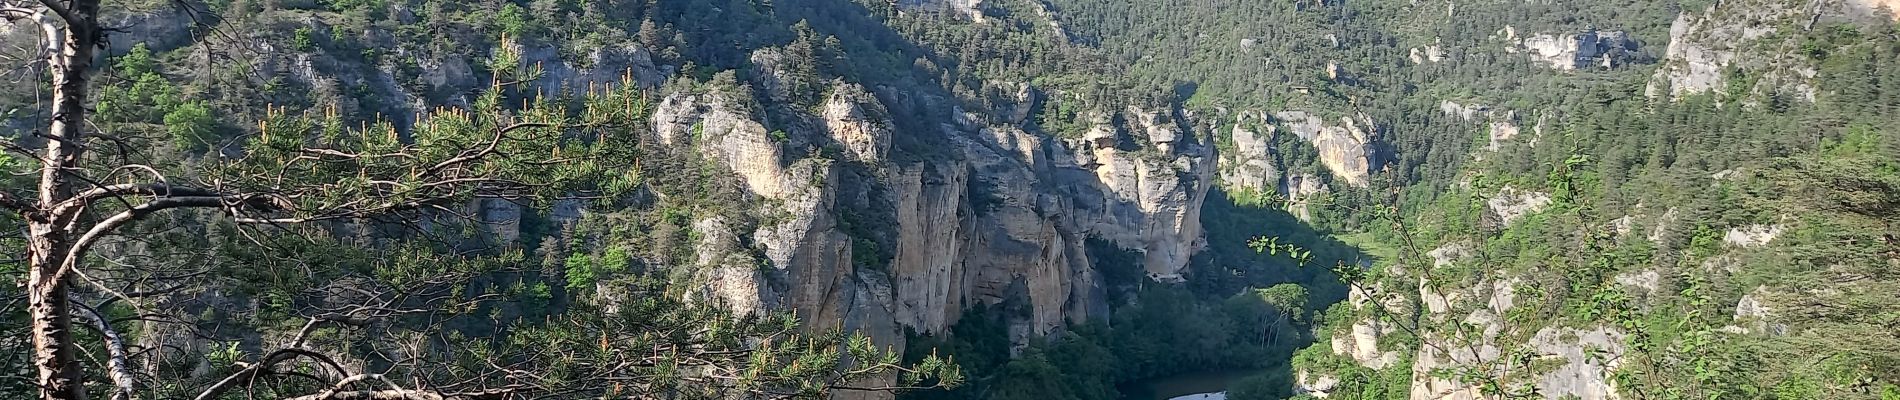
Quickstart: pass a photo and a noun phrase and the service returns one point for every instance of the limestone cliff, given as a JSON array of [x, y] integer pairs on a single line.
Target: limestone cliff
[[1345, 148], [1256, 162], [1751, 37], [998, 218], [972, 9], [1590, 48]]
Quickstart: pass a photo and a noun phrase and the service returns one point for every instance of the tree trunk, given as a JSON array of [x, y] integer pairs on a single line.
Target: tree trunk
[[51, 310], [50, 244]]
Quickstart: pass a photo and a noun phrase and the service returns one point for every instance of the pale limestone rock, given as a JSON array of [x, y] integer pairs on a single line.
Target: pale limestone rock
[[1752, 235], [1751, 306], [1623, 226], [1501, 131], [1438, 301], [1299, 188], [605, 68], [1318, 386], [1253, 166], [162, 28], [1724, 262], [1449, 253], [1589, 358], [1648, 280], [1503, 295], [1430, 53], [732, 277], [1427, 386], [808, 249], [972, 9], [1746, 35], [447, 72], [1511, 204], [927, 274], [1891, 6], [1663, 223], [1466, 112], [1566, 52], [1101, 133], [500, 218], [728, 134], [1145, 203], [1362, 345], [856, 120], [1346, 149], [1690, 66], [1021, 246], [1753, 314], [1027, 98], [1159, 128]]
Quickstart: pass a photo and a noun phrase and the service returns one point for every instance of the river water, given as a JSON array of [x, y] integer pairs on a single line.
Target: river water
[[1197, 386]]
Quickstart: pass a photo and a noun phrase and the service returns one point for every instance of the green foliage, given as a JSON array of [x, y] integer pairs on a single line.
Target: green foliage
[[1272, 385], [514, 21], [1166, 331], [584, 271], [191, 125], [301, 40]]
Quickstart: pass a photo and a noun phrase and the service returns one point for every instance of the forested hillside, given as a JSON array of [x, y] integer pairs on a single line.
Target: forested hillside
[[949, 199]]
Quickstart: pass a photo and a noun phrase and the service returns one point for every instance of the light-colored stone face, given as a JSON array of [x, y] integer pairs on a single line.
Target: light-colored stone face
[[1252, 165], [1344, 148], [858, 125], [1752, 235], [1511, 204], [1500, 133], [1590, 48], [972, 9], [1002, 220], [1692, 65], [1319, 386], [1362, 345]]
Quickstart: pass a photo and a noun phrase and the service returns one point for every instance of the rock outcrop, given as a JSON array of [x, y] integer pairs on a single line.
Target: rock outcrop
[[1752, 235], [1511, 204], [1431, 53], [1345, 148], [1590, 48], [1584, 358], [1318, 386], [1699, 50], [1757, 37], [972, 9], [1251, 165], [999, 218]]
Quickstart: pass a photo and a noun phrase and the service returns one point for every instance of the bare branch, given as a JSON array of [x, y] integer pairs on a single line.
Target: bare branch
[[84, 198], [334, 390], [11, 13], [116, 364], [493, 144], [110, 224], [61, 11]]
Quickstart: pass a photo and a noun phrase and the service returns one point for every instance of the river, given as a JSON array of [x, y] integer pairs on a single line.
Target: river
[[1197, 386]]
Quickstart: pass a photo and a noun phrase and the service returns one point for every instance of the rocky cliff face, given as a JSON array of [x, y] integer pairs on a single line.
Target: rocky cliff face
[[1590, 48], [972, 9], [1345, 148], [865, 235], [1000, 218], [1252, 164], [1749, 36]]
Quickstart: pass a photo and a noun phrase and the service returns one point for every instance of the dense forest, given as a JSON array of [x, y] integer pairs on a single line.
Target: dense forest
[[949, 199]]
